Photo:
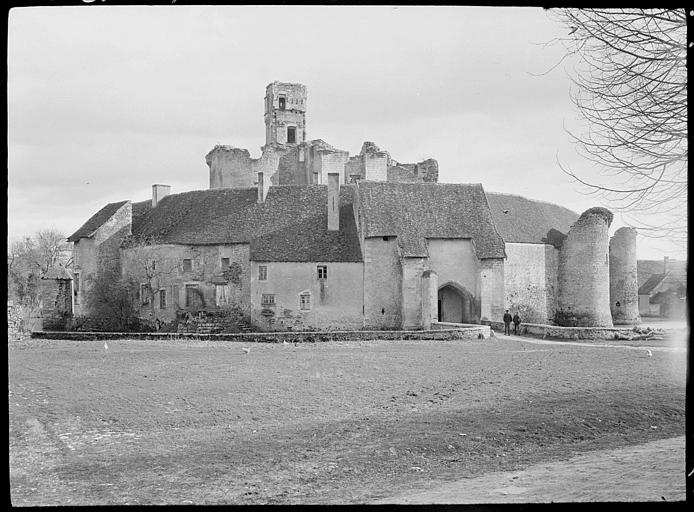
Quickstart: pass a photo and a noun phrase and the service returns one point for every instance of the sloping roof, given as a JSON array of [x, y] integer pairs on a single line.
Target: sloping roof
[[139, 210], [651, 283], [58, 272], [523, 220], [646, 268], [95, 221], [291, 225], [416, 211]]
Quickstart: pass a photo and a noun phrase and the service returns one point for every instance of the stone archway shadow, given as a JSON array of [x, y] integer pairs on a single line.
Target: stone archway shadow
[[456, 304]]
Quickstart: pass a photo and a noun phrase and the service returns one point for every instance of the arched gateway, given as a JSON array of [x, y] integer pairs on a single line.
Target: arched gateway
[[457, 304]]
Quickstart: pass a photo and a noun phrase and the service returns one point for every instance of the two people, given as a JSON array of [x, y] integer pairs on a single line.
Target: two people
[[507, 323]]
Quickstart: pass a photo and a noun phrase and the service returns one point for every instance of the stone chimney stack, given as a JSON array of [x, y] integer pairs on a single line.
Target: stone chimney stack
[[159, 192], [665, 262], [261, 188], [333, 201]]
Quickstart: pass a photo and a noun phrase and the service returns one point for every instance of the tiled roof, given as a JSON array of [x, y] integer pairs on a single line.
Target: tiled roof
[[96, 220], [646, 268], [58, 272], [291, 225], [139, 211], [523, 220], [416, 211], [651, 283]]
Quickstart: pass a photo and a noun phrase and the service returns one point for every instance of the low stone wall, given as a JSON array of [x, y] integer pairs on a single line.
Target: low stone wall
[[274, 337], [473, 330], [576, 333]]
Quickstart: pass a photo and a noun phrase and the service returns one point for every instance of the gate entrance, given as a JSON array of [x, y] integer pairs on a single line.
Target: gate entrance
[[456, 304]]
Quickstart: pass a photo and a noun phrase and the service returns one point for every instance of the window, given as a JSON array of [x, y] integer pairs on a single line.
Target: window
[[162, 299], [144, 294], [283, 102], [262, 273], [193, 298], [291, 134], [187, 265], [305, 301], [221, 294], [322, 271], [268, 299], [154, 265], [76, 288], [225, 263]]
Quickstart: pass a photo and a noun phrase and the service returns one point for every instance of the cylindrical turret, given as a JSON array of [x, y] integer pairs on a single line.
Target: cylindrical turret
[[624, 285], [584, 272]]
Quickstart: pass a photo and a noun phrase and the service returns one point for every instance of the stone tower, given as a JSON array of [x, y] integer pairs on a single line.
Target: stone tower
[[285, 113], [624, 285], [584, 272]]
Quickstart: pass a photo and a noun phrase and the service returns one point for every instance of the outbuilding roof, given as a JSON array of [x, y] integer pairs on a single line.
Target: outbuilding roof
[[522, 220], [95, 221], [416, 211]]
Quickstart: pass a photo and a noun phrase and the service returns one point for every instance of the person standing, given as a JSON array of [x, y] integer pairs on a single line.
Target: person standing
[[507, 323], [516, 323]]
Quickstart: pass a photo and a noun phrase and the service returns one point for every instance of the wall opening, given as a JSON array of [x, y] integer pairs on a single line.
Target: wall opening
[[456, 304], [283, 102], [291, 134]]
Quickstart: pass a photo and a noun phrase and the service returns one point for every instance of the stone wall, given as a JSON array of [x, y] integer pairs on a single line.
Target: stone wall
[[333, 303], [56, 303], [427, 170], [99, 253], [530, 281], [466, 333], [411, 301], [624, 284], [382, 283], [584, 278], [213, 287], [16, 328], [491, 288]]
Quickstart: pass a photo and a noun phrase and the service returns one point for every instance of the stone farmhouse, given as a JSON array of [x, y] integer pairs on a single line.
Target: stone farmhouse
[[307, 237]]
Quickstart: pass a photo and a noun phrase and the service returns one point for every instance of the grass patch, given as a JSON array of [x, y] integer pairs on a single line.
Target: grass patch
[[203, 422]]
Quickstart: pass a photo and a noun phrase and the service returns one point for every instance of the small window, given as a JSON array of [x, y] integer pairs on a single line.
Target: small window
[[322, 271], [283, 102], [305, 301], [262, 273], [291, 134], [144, 294], [268, 299], [225, 263], [187, 265], [162, 299]]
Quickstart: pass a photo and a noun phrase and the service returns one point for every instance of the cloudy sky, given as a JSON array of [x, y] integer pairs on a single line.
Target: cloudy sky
[[105, 101]]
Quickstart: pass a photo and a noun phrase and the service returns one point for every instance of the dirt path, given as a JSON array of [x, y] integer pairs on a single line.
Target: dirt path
[[678, 346], [653, 471]]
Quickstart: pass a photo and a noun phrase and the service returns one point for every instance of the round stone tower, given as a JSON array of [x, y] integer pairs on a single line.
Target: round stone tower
[[584, 272], [624, 285]]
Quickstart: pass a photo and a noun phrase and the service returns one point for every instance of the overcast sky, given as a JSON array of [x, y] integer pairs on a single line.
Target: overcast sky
[[105, 101]]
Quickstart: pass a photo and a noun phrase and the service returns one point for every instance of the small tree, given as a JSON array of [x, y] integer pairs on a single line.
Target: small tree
[[112, 298]]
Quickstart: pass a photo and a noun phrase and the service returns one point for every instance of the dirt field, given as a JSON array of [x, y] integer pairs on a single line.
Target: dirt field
[[207, 423]]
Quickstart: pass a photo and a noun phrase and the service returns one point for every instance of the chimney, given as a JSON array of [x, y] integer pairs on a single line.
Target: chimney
[[333, 201], [665, 262], [261, 188], [159, 192]]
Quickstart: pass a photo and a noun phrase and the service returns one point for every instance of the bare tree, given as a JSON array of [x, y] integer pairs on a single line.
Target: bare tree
[[630, 77], [31, 258]]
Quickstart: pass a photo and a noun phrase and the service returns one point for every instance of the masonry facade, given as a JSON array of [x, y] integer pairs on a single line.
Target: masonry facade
[[308, 237]]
